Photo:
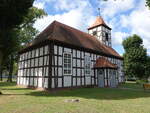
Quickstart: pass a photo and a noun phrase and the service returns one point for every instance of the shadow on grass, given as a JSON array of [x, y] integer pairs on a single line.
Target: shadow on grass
[[94, 93], [7, 84], [87, 93]]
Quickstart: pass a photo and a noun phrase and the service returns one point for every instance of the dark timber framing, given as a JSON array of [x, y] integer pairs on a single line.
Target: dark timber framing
[[50, 61]]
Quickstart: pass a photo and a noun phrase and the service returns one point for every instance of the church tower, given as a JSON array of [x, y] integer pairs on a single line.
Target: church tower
[[101, 31]]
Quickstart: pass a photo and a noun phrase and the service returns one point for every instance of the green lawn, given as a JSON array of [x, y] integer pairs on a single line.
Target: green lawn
[[92, 100]]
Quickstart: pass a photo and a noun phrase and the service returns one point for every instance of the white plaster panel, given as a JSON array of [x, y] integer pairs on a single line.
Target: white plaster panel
[[74, 82], [74, 72], [18, 80], [60, 71], [35, 82], [82, 72], [41, 51], [82, 81], [27, 81], [78, 82], [53, 85], [40, 82], [32, 62], [78, 54], [36, 62], [55, 60], [40, 61], [67, 81], [24, 74], [59, 82], [92, 81], [74, 53], [60, 50], [67, 49], [33, 52], [21, 81], [24, 81], [31, 81], [52, 71], [27, 71], [46, 50], [46, 72], [36, 72], [55, 49], [74, 62], [82, 54], [78, 63], [37, 52], [60, 61], [87, 54], [46, 83], [88, 80], [78, 72], [31, 72], [40, 71], [29, 54], [82, 63]]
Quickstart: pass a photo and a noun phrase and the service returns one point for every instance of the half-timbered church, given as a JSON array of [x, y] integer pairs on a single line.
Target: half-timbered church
[[62, 56]]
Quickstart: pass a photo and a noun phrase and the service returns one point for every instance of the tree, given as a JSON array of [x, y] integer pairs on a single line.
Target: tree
[[12, 13], [23, 35], [148, 3], [147, 70], [135, 57]]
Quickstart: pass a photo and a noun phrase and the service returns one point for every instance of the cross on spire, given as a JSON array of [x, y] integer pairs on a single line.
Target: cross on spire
[[99, 11]]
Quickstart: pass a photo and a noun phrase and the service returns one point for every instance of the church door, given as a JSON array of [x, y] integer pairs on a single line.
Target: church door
[[112, 78], [100, 75]]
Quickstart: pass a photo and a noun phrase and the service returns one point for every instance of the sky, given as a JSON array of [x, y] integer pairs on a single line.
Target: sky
[[125, 17]]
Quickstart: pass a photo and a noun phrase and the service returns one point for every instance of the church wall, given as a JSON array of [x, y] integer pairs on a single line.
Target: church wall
[[33, 68], [78, 77], [34, 65]]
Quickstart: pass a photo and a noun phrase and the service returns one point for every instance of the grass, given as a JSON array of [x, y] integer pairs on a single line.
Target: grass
[[131, 85], [92, 100]]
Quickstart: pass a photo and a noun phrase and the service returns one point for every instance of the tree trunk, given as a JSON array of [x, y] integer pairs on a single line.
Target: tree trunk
[[11, 68], [1, 59]]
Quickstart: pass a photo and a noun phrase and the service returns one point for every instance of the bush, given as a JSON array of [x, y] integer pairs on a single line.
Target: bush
[[141, 81]]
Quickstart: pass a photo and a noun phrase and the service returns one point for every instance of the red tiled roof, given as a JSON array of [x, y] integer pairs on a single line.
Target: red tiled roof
[[99, 21], [60, 32], [104, 63]]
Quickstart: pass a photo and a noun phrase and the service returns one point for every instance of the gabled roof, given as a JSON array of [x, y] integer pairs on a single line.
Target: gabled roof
[[104, 63], [98, 22], [59, 32]]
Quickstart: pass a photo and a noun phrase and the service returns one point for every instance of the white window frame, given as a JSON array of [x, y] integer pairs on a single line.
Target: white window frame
[[68, 68], [87, 61]]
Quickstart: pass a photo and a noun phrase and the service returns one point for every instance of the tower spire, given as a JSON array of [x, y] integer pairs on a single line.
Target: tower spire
[[99, 12]]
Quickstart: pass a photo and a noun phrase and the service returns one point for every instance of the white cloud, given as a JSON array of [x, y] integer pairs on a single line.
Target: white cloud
[[39, 5], [76, 17], [139, 23], [113, 7], [121, 16], [118, 37]]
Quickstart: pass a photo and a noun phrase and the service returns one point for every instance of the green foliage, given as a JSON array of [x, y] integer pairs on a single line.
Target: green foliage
[[148, 3], [135, 57], [141, 81], [12, 12], [147, 70]]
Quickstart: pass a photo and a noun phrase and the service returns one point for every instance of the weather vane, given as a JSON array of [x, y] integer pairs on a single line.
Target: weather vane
[[99, 9]]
